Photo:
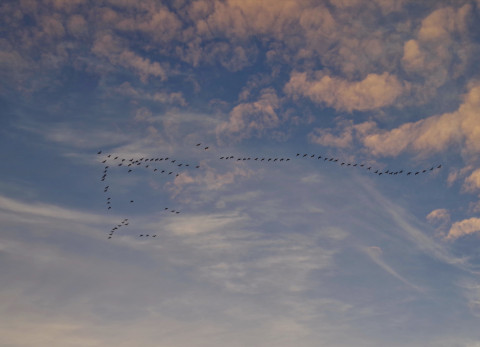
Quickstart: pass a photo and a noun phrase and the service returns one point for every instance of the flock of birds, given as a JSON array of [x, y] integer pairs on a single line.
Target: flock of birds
[[133, 164]]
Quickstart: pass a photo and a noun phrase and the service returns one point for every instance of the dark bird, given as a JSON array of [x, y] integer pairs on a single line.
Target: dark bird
[[409, 173], [99, 152], [104, 161], [130, 170], [416, 173], [131, 201], [205, 148], [439, 166], [196, 167], [368, 168], [304, 155], [298, 154], [198, 144]]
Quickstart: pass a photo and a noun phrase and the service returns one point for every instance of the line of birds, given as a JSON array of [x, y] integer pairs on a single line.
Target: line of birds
[[115, 228], [150, 163], [334, 160]]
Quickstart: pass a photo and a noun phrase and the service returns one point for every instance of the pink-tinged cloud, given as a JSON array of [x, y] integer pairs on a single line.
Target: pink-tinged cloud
[[440, 219], [325, 137], [472, 182], [441, 50], [433, 134], [252, 117], [111, 48], [373, 92], [440, 215], [464, 227]]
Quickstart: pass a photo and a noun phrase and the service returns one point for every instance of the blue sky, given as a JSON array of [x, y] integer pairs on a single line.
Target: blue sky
[[304, 252]]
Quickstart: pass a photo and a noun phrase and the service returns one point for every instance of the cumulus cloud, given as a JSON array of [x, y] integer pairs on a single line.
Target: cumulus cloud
[[373, 92], [325, 137], [441, 50], [253, 117], [464, 227], [432, 134], [472, 182]]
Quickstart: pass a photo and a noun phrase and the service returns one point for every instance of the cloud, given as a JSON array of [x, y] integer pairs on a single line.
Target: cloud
[[161, 97], [373, 92], [472, 182], [325, 137], [253, 117], [375, 254], [441, 51], [109, 47], [464, 227], [432, 134], [440, 218], [77, 26]]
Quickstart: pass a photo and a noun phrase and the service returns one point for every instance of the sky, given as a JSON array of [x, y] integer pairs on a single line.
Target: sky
[[346, 214]]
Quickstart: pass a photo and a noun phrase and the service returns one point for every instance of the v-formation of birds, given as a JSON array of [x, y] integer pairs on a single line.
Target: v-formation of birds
[[133, 164]]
